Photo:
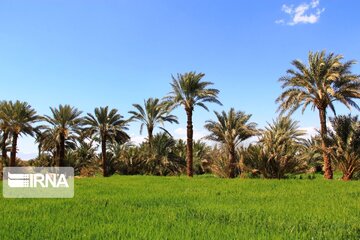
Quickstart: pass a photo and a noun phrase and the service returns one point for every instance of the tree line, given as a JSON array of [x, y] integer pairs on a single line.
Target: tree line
[[67, 138]]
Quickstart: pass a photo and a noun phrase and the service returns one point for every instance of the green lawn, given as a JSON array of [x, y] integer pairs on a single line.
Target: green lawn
[[138, 207]]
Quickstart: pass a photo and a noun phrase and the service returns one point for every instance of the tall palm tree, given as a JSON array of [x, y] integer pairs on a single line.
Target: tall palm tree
[[189, 91], [231, 129], [64, 121], [320, 83], [108, 127], [21, 117], [153, 113]]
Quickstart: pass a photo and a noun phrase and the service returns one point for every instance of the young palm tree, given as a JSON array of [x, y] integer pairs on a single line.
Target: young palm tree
[[21, 117], [189, 91], [64, 121], [153, 113], [278, 152], [324, 80], [108, 127], [345, 147], [231, 129]]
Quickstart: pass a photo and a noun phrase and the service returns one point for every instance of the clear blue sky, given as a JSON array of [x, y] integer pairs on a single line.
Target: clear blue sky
[[96, 53]]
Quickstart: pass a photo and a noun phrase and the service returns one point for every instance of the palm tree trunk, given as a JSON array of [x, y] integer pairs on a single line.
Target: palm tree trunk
[[3, 145], [103, 155], [232, 162], [56, 155], [323, 132], [189, 148], [13, 150], [62, 150], [39, 150], [347, 176], [3, 151], [150, 135]]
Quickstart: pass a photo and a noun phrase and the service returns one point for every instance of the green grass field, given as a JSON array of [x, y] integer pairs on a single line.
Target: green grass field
[[138, 207]]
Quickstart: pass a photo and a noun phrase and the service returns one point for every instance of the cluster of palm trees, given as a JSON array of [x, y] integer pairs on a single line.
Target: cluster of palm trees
[[321, 82]]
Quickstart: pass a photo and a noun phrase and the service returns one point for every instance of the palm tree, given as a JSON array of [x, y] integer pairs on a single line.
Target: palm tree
[[108, 127], [154, 112], [278, 152], [64, 121], [231, 129], [320, 83], [21, 116], [189, 91], [345, 147]]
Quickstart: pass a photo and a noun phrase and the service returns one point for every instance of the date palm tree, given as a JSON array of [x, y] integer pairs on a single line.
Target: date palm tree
[[21, 117], [231, 129], [153, 113], [108, 126], [323, 81], [278, 151], [64, 121], [188, 90]]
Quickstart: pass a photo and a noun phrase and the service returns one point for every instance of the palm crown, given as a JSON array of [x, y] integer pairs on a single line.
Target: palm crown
[[230, 129], [319, 84], [65, 119], [154, 112], [107, 125], [188, 90]]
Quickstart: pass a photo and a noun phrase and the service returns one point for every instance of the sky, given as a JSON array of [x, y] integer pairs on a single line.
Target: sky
[[117, 53]]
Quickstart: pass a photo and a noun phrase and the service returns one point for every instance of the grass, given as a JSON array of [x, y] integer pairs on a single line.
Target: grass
[[141, 207]]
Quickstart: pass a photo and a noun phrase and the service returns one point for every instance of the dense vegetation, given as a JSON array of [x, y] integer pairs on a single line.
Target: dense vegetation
[[69, 138], [145, 207]]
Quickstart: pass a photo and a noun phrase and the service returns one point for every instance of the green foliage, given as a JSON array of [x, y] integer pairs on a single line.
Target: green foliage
[[84, 156], [153, 113], [278, 152], [312, 154], [106, 125], [160, 159], [65, 119], [230, 130], [345, 150], [202, 158], [220, 162]]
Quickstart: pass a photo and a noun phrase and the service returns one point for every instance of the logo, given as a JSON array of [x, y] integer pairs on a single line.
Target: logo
[[32, 182], [19, 180]]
